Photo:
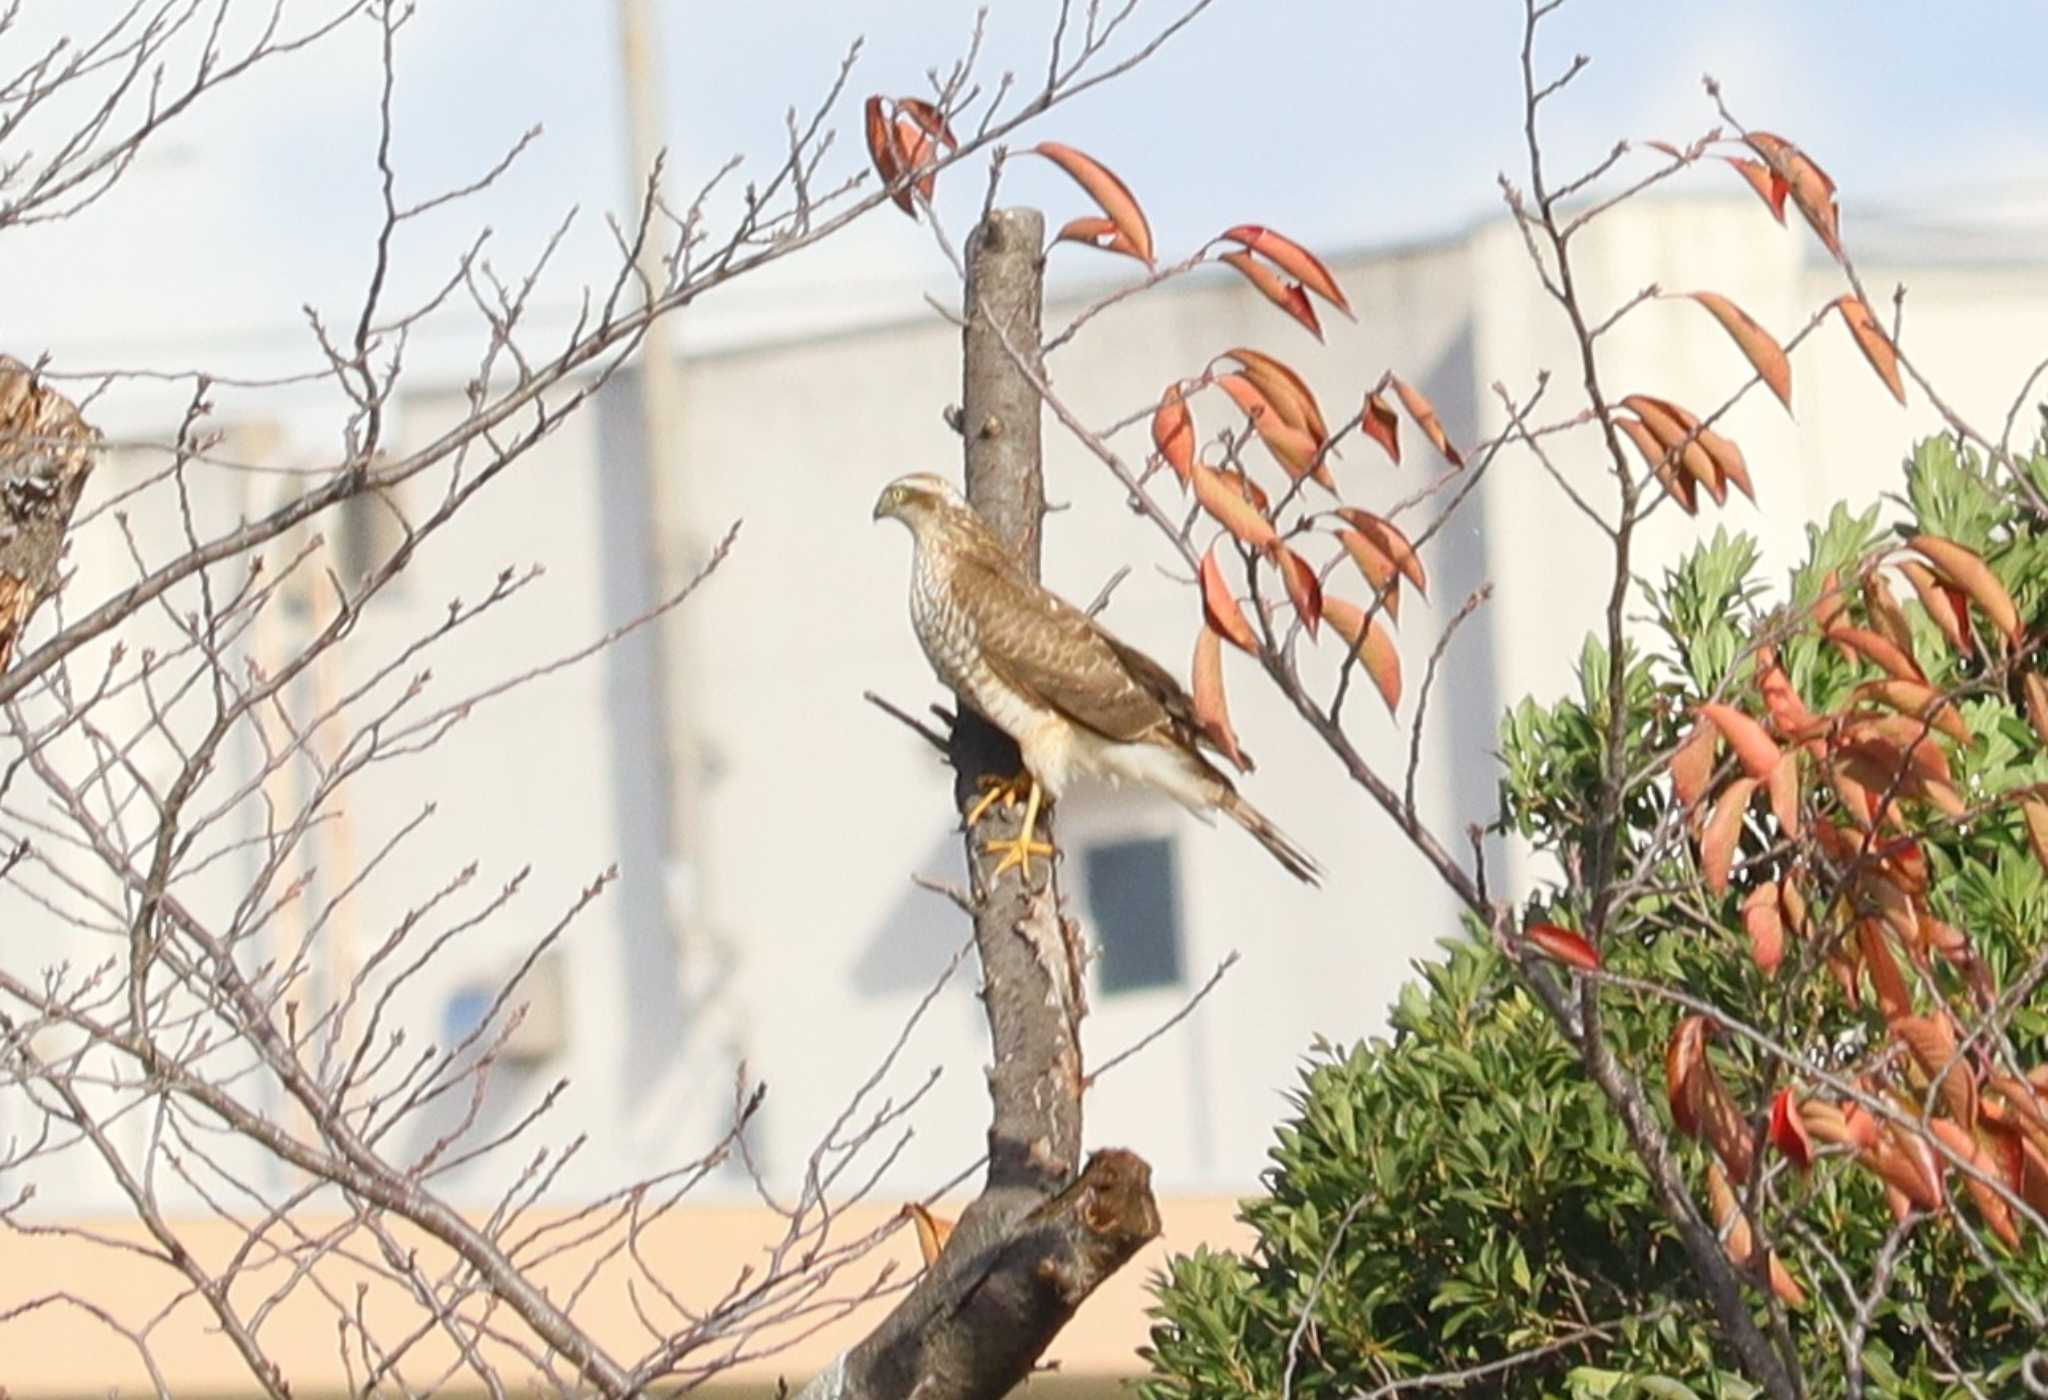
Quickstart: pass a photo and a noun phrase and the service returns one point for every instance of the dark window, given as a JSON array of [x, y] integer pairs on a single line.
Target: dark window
[[1134, 897]]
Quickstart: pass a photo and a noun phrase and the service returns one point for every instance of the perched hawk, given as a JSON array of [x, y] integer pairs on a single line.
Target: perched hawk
[[1078, 702], [46, 452]]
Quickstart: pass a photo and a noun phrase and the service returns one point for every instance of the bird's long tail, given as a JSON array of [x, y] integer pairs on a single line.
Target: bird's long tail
[[1300, 864]]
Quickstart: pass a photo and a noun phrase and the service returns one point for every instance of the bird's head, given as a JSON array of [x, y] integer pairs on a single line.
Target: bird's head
[[917, 499]]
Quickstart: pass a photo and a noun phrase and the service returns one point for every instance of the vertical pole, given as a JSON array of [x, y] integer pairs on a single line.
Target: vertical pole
[[673, 549]]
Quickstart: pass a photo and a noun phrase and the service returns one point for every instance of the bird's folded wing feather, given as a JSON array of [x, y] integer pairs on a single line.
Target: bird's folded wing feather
[[1049, 649]]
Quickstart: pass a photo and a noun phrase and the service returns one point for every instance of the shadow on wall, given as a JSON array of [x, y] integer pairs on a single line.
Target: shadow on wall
[[912, 941], [1468, 686]]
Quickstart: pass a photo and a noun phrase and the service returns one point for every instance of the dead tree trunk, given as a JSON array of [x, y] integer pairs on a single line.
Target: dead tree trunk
[[1039, 1238]]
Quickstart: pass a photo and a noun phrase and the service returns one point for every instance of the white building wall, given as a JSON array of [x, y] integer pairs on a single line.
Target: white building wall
[[815, 944]]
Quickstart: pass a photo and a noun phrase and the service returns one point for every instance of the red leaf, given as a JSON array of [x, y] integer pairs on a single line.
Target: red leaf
[[1380, 571], [1375, 648], [1678, 485], [1388, 539], [1227, 505], [1788, 1131], [1765, 925], [1744, 735], [1974, 577], [1724, 833], [884, 152], [1379, 423], [1286, 390], [1109, 193], [1692, 763], [1212, 713], [1219, 606], [1811, 189], [1173, 432], [1684, 1053], [1758, 345], [1097, 232], [917, 148], [1872, 341], [1303, 589], [1564, 945], [1288, 296], [1424, 413], [1293, 259], [929, 119], [1769, 188]]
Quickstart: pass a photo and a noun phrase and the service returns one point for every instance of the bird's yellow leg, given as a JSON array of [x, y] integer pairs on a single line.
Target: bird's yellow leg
[[1020, 851], [1008, 791]]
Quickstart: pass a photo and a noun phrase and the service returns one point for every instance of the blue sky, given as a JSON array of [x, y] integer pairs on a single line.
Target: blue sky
[[1342, 122]]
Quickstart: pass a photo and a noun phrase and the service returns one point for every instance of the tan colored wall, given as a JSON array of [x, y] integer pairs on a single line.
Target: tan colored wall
[[62, 1351]]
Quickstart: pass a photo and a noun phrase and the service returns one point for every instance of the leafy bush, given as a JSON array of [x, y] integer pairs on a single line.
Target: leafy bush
[[1466, 1194]]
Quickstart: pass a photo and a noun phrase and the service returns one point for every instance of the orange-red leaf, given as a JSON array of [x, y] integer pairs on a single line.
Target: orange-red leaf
[[1228, 507], [1424, 413], [1729, 467], [1879, 649], [1811, 189], [884, 152], [1672, 434], [1564, 945], [1109, 193], [1291, 447], [1372, 642], [1886, 616], [1684, 1054], [1677, 484], [1975, 578], [1724, 832], [1765, 925], [1783, 1284], [1783, 787], [1885, 978], [2034, 810], [1212, 712], [1173, 432], [1787, 710], [2037, 703], [1379, 423], [1692, 763], [932, 1231], [1293, 259], [1758, 345], [1303, 589], [1922, 702], [1872, 341], [918, 148], [1097, 232], [1380, 571], [929, 119], [1990, 1205], [1388, 539], [1940, 603], [1932, 1039], [1288, 296], [1769, 188], [1744, 735], [1220, 607], [1788, 1131], [1287, 391]]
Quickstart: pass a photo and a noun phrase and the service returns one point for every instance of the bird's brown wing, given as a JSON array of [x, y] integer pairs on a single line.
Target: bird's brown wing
[[1049, 649], [1188, 731]]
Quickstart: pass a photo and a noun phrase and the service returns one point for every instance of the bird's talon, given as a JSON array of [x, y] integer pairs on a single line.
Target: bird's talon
[[1016, 854], [1009, 792]]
